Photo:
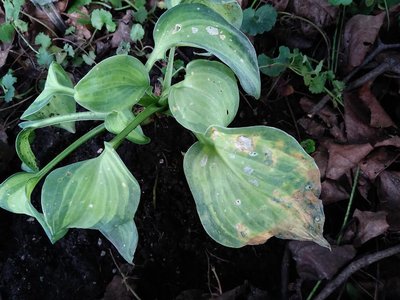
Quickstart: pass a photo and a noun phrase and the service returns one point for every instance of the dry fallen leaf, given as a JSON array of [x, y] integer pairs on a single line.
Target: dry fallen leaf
[[122, 34], [359, 35], [332, 192], [280, 5], [320, 12], [116, 289], [314, 262], [342, 158], [370, 225], [377, 161], [389, 195]]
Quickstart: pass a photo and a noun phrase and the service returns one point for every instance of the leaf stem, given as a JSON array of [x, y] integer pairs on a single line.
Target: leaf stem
[[350, 204], [80, 116], [146, 113], [84, 138], [170, 69]]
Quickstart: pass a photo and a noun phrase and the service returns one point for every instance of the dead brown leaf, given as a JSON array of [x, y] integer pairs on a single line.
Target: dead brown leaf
[[320, 12], [280, 5], [81, 31], [377, 161], [116, 289], [321, 157], [389, 196], [314, 262], [359, 34], [122, 34], [332, 192], [342, 158], [370, 225]]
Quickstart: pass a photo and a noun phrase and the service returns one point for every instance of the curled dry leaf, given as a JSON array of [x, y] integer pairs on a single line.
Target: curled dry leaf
[[314, 262], [377, 161], [320, 12], [389, 195], [370, 225], [333, 192], [122, 34], [359, 34], [342, 158]]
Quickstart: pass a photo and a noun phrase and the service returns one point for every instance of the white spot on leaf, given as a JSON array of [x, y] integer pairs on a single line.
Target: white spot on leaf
[[203, 161], [248, 170], [195, 29], [177, 28], [238, 202], [244, 143], [222, 37], [212, 30], [254, 182]]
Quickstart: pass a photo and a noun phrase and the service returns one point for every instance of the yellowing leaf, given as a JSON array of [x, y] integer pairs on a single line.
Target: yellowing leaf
[[253, 183]]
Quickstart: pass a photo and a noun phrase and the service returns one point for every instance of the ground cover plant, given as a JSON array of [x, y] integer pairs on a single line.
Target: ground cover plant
[[153, 91]]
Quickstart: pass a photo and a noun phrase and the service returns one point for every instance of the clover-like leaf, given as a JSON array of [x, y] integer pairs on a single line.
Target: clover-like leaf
[[116, 83], [198, 26], [230, 10], [275, 66], [56, 98], [100, 18], [208, 95], [15, 194], [253, 183], [99, 193], [117, 121], [260, 20]]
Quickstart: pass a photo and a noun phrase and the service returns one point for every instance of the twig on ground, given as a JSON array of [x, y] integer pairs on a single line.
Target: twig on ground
[[354, 267]]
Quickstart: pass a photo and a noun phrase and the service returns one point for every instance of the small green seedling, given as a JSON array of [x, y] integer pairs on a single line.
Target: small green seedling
[[249, 183]]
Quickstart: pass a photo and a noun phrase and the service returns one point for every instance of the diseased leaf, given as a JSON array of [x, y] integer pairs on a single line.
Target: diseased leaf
[[56, 99], [252, 183], [100, 194], [208, 95], [230, 10], [198, 26], [114, 84], [260, 20], [117, 121], [23, 148]]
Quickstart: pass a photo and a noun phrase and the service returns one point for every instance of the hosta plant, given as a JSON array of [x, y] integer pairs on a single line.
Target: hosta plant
[[249, 184]]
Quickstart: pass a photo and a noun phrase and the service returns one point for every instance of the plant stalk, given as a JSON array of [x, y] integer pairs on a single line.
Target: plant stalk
[[80, 116], [84, 138], [145, 114]]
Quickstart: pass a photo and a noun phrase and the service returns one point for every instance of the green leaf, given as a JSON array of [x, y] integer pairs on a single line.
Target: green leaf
[[55, 100], [21, 25], [253, 183], [137, 32], [75, 5], [69, 50], [43, 40], [6, 32], [44, 58], [117, 121], [141, 15], [23, 148], [340, 2], [15, 194], [196, 25], [100, 194], [115, 84], [101, 17], [208, 95], [308, 145], [275, 66], [260, 20], [89, 58], [230, 10], [7, 83]]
